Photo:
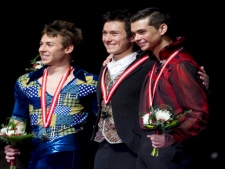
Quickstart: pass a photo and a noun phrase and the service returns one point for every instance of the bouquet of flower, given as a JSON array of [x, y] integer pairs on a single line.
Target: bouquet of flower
[[14, 134], [36, 64], [160, 118]]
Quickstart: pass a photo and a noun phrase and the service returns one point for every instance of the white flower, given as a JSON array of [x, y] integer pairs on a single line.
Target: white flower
[[9, 131], [146, 118], [20, 129], [162, 114], [4, 130], [38, 65]]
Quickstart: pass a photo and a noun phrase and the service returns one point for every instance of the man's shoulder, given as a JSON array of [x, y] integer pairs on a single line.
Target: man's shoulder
[[84, 76], [24, 77], [148, 62], [184, 56]]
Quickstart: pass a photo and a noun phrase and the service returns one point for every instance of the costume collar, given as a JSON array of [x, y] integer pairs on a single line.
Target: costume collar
[[78, 73], [167, 50]]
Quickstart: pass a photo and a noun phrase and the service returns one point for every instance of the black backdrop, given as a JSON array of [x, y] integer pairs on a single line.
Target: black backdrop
[[21, 24]]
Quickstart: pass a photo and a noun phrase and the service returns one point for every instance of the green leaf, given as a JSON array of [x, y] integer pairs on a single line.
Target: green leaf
[[15, 140]]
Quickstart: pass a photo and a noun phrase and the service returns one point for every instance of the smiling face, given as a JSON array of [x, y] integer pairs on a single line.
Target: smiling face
[[148, 37], [115, 38], [52, 52]]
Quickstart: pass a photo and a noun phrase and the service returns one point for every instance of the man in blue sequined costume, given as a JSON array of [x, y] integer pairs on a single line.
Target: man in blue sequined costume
[[60, 97]]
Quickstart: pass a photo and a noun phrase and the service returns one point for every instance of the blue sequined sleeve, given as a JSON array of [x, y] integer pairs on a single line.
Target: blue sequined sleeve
[[21, 104]]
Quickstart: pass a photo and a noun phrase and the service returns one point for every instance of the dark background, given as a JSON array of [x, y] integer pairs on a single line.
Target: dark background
[[201, 25]]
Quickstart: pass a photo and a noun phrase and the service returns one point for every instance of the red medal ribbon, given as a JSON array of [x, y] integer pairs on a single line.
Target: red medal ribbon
[[151, 94], [119, 80], [46, 117]]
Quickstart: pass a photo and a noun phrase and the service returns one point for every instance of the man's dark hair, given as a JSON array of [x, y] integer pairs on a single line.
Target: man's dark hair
[[119, 15], [156, 17], [67, 30]]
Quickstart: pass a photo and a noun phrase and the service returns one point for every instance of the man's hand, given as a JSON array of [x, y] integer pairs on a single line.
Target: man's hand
[[162, 140], [204, 77], [107, 60], [10, 153]]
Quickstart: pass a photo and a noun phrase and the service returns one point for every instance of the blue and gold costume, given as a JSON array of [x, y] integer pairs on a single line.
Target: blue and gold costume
[[76, 100]]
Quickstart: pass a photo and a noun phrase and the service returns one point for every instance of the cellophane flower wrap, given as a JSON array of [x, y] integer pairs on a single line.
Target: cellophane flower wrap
[[14, 134], [160, 118]]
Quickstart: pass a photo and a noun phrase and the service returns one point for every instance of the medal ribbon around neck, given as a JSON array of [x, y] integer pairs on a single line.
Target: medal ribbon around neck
[[46, 117], [119, 80], [151, 94]]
